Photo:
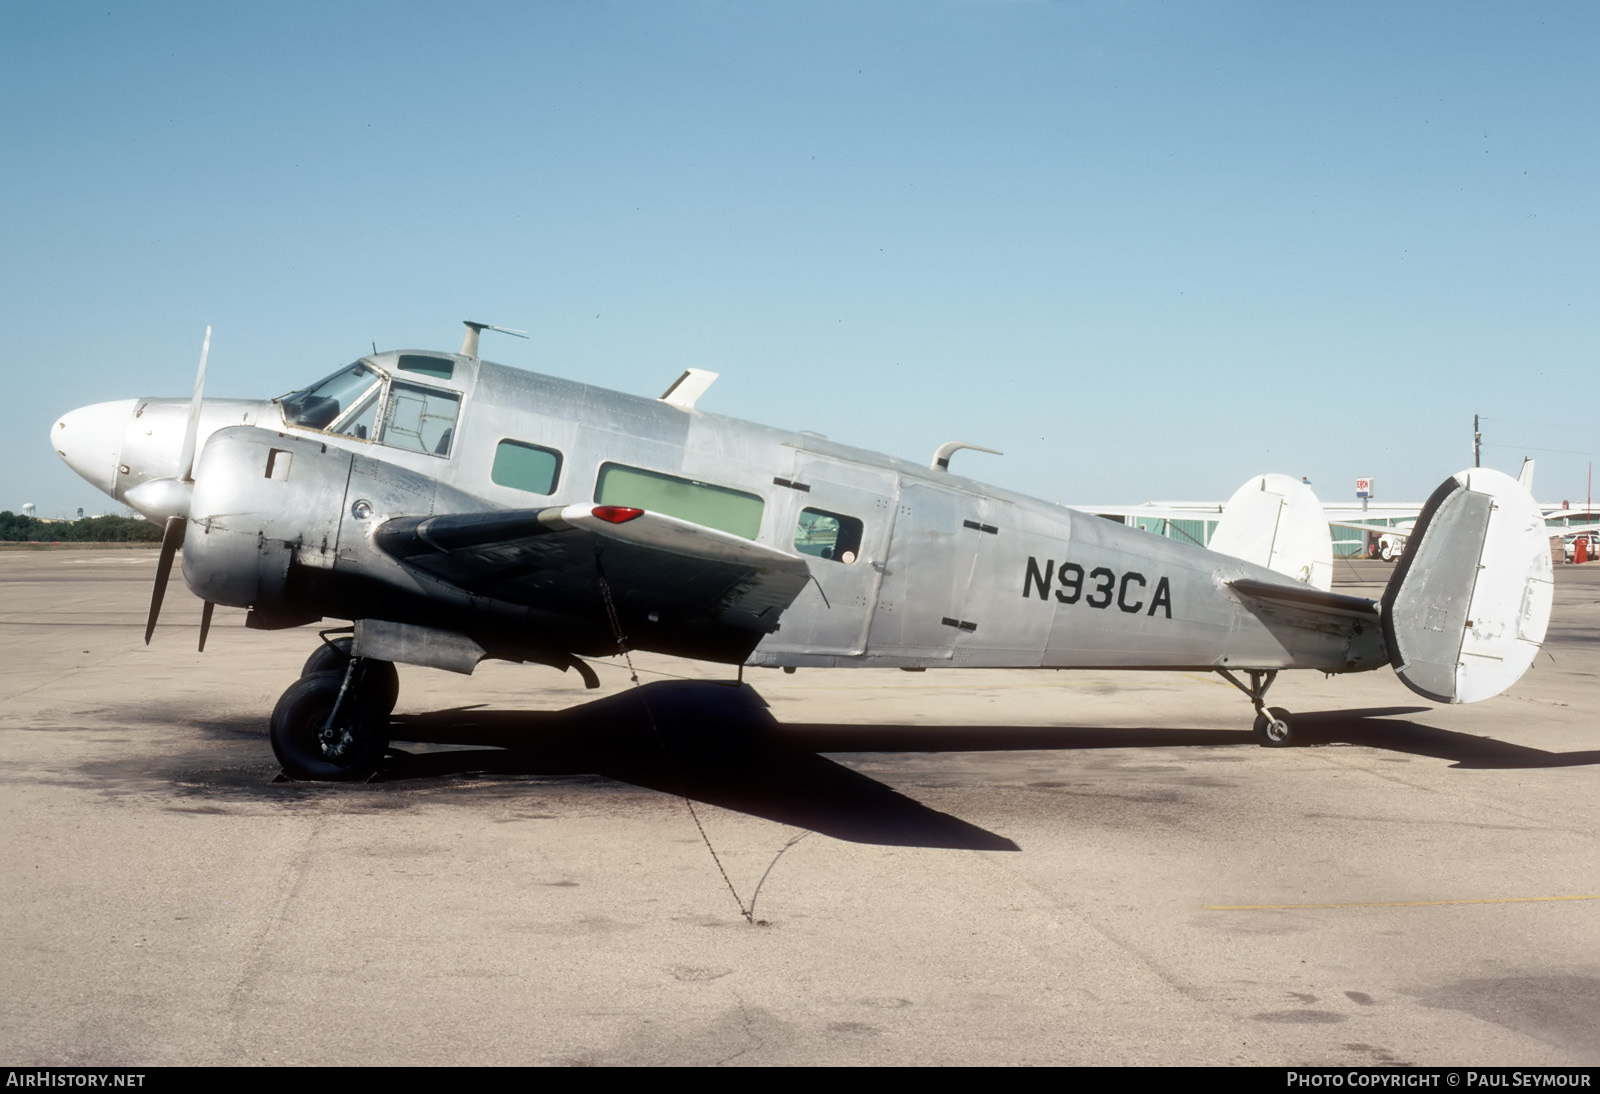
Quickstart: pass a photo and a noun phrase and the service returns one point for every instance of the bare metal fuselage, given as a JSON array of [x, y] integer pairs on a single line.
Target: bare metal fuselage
[[949, 572]]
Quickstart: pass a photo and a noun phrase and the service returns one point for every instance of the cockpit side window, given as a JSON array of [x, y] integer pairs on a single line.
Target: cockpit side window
[[322, 404], [420, 419]]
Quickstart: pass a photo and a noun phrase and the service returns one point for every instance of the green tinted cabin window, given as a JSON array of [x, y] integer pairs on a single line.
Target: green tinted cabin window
[[714, 506], [526, 467], [440, 368]]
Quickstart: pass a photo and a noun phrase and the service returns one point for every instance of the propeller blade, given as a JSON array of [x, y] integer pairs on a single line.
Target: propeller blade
[[205, 623], [192, 431], [171, 540]]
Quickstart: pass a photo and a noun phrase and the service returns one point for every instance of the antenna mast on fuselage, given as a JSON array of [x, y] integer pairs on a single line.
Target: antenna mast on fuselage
[[469, 344]]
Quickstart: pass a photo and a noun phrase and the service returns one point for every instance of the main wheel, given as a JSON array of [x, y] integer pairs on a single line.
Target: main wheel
[[380, 682], [328, 657], [1273, 728], [308, 748]]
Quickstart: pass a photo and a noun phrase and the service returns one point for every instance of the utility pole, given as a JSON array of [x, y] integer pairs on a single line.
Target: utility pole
[[1477, 442]]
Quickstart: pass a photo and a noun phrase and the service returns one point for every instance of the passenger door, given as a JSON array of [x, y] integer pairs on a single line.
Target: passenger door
[[841, 516]]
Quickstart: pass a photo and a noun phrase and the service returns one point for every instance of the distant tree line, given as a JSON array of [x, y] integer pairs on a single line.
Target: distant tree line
[[15, 528]]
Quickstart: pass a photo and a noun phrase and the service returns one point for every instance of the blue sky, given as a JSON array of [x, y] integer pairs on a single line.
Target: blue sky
[[1146, 249]]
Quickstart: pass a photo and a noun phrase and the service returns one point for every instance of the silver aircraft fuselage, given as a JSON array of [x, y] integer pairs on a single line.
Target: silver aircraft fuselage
[[944, 571]]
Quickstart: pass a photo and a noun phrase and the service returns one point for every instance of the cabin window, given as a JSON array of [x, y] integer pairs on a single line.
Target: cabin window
[[700, 502], [420, 419], [828, 535], [526, 467], [439, 368]]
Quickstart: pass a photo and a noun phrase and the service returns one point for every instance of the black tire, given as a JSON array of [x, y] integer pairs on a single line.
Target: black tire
[[380, 679], [380, 684], [352, 751], [1274, 728], [328, 657]]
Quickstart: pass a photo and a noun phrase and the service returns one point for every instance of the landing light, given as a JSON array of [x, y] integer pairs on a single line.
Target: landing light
[[616, 514]]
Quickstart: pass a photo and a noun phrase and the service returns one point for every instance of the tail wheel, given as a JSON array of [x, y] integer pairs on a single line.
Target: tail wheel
[[309, 747], [1273, 728]]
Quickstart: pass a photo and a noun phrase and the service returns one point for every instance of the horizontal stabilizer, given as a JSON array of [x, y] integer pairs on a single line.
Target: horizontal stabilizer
[[1277, 522], [1303, 596], [1466, 611]]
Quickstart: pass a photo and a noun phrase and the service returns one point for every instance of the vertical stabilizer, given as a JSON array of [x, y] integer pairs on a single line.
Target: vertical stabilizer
[[1466, 611], [1277, 522]]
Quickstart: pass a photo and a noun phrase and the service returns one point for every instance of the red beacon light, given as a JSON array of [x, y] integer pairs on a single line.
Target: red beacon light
[[616, 514]]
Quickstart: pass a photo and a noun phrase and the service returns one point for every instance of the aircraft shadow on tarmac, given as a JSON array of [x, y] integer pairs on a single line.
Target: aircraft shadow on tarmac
[[718, 744], [709, 742]]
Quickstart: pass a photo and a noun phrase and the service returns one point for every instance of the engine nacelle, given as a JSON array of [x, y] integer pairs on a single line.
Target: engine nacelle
[[263, 502]]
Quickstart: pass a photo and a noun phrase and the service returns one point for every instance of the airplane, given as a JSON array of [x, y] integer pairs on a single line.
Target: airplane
[[1386, 540], [1561, 522], [452, 509]]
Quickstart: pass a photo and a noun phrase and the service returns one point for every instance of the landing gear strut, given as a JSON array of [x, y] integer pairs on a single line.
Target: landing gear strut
[[381, 681], [1272, 728], [332, 723]]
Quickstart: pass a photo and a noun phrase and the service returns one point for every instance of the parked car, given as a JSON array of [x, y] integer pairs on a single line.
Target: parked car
[[1391, 545], [1591, 548]]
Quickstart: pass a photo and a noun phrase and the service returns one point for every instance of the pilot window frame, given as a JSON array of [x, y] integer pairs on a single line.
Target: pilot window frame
[[693, 500], [349, 424], [496, 468], [848, 533]]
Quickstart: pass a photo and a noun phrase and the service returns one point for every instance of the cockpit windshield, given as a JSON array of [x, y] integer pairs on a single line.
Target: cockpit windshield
[[360, 401], [322, 404]]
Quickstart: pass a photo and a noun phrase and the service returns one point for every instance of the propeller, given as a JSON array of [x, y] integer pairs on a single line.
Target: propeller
[[192, 430], [179, 491]]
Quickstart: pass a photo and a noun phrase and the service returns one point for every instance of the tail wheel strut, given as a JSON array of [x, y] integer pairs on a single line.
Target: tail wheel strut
[[1272, 727]]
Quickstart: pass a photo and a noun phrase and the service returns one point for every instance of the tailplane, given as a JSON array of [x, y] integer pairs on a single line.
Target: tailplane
[[1466, 610], [1277, 522]]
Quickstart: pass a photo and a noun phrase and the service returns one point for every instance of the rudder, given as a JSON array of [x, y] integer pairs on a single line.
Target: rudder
[[1277, 522], [1466, 610]]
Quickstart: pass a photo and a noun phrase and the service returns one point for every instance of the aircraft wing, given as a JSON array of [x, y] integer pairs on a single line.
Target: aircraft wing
[[1406, 529], [674, 585], [1126, 514], [1194, 510], [1400, 531]]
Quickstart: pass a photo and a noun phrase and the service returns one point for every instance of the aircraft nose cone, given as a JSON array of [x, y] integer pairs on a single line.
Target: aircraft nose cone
[[89, 439]]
